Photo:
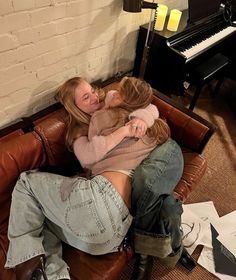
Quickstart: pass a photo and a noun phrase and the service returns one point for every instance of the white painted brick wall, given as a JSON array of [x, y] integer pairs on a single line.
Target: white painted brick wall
[[45, 42], [6, 7]]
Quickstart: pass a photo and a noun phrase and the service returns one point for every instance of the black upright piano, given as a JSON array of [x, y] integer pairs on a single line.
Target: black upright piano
[[172, 55]]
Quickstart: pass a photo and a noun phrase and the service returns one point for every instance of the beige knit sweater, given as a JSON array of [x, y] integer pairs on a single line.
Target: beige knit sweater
[[126, 155]]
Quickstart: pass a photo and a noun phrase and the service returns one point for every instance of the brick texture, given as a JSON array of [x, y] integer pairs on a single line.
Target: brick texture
[[45, 42]]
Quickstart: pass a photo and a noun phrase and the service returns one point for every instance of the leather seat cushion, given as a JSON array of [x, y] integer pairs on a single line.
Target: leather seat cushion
[[106, 267]]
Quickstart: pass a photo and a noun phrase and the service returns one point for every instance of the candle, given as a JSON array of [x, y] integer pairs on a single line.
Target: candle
[[161, 17], [174, 20]]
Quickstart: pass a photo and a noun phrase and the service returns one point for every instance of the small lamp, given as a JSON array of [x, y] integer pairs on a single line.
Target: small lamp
[[136, 6]]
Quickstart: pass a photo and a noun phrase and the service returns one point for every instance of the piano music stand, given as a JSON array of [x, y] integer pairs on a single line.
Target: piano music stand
[[211, 69]]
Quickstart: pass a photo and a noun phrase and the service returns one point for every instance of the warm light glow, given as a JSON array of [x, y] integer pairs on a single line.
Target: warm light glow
[[174, 19], [161, 17]]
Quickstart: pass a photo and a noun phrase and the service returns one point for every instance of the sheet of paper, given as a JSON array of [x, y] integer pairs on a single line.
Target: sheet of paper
[[195, 230], [206, 211], [226, 224], [196, 221], [202, 215], [226, 227]]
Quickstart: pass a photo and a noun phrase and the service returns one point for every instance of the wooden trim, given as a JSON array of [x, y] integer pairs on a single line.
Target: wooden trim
[[12, 127]]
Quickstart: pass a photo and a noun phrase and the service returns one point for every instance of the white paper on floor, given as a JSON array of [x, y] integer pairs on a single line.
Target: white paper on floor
[[196, 221], [196, 224], [226, 227]]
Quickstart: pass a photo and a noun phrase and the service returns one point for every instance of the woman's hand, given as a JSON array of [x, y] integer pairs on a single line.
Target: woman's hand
[[138, 127]]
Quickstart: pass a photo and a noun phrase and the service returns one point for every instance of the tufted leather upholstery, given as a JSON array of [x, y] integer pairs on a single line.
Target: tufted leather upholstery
[[43, 145]]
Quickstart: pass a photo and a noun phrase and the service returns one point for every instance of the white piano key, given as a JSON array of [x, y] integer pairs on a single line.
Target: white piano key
[[198, 48]]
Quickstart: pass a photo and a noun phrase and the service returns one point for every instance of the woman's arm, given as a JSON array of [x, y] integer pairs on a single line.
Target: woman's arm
[[148, 114], [90, 152]]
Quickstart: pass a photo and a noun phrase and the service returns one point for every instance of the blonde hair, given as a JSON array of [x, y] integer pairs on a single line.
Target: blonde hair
[[78, 121], [137, 93]]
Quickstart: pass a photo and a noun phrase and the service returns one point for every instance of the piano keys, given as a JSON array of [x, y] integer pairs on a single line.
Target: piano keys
[[208, 34], [172, 55], [203, 45]]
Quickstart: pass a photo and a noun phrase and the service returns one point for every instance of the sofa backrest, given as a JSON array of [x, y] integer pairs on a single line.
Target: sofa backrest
[[184, 129], [184, 124], [52, 129]]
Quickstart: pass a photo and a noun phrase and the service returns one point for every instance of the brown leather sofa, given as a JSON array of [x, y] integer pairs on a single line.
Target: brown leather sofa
[[38, 142]]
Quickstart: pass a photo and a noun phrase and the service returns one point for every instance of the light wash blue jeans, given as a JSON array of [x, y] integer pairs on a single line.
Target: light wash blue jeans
[[46, 208], [157, 214]]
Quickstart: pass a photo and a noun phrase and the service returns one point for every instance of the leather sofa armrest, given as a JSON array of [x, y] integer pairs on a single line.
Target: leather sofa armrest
[[17, 154], [187, 128]]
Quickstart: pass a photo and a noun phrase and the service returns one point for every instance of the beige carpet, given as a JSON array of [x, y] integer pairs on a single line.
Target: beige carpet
[[219, 182]]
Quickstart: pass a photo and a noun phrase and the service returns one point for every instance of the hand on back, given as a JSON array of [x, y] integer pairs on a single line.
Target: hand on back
[[137, 128]]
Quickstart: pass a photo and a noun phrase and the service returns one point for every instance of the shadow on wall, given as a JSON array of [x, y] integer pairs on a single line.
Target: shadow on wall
[[102, 36], [174, 4], [109, 43], [127, 58], [41, 97]]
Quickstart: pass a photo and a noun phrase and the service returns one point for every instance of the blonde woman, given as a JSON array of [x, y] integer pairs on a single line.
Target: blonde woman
[[55, 206]]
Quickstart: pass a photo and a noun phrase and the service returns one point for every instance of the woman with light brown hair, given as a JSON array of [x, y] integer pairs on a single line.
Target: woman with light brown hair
[[64, 205]]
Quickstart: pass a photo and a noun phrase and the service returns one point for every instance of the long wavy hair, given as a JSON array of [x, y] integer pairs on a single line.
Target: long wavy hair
[[77, 121], [136, 94]]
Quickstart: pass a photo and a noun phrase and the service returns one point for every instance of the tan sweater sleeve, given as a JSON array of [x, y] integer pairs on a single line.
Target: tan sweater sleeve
[[90, 152], [93, 148], [148, 114]]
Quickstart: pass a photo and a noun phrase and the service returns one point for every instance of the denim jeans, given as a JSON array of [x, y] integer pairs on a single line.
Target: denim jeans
[[157, 214], [46, 208]]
